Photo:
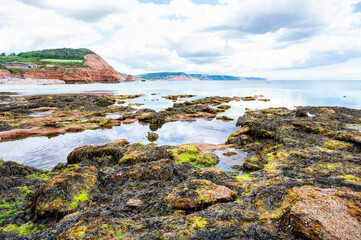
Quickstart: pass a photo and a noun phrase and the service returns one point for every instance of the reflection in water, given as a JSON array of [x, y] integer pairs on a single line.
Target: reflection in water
[[44, 152], [39, 114], [226, 162]]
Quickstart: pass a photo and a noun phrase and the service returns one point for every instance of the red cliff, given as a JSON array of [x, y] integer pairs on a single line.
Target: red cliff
[[4, 73], [96, 69]]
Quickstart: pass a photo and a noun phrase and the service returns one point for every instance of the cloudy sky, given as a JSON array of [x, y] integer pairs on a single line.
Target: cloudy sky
[[278, 39]]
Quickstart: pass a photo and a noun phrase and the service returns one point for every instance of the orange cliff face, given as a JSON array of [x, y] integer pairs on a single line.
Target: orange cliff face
[[96, 70], [4, 73]]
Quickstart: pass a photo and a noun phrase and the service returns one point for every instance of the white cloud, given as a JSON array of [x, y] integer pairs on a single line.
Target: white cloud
[[26, 28], [234, 37]]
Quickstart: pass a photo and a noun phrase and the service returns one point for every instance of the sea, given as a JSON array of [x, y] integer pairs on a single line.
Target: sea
[[47, 151]]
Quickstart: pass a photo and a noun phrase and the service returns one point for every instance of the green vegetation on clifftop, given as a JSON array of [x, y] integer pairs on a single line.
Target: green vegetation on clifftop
[[61, 56]]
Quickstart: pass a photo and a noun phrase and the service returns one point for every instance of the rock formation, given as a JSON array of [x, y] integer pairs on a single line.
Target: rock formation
[[96, 69]]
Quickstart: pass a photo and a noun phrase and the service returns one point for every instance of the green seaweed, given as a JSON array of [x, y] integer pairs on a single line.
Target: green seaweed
[[191, 154]]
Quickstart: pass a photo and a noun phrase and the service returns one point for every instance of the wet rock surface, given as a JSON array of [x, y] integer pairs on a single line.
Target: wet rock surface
[[195, 194], [328, 213], [124, 187], [302, 180]]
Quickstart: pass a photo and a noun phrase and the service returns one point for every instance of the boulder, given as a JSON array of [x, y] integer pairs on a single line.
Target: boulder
[[13, 174], [69, 191], [152, 137], [196, 193], [324, 213]]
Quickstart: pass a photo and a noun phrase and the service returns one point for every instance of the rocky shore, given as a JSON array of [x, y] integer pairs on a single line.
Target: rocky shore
[[73, 113], [302, 179]]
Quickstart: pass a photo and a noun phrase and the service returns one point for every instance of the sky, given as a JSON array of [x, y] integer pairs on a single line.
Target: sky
[[278, 39]]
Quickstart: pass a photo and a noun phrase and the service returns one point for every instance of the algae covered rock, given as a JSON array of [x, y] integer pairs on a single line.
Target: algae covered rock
[[199, 193], [117, 152], [303, 182], [252, 164], [140, 153], [13, 174], [225, 118], [157, 170], [191, 154], [152, 137], [98, 155], [68, 191]]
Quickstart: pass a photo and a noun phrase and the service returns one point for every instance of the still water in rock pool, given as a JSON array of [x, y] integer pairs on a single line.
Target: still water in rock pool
[[46, 152]]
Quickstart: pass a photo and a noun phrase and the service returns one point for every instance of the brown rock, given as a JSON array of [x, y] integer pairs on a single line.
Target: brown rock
[[352, 136], [325, 213], [229, 154], [198, 193], [130, 78], [225, 118], [37, 131], [134, 202], [118, 142], [152, 137], [66, 192], [129, 121], [75, 128], [250, 98]]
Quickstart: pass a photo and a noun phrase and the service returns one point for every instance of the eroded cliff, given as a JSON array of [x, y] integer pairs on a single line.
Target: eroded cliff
[[95, 69]]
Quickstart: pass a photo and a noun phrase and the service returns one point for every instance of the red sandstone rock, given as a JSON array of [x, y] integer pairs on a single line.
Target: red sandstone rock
[[97, 70], [96, 62], [129, 121], [134, 202], [4, 73], [75, 128], [37, 131], [129, 78], [198, 193], [325, 213], [119, 141]]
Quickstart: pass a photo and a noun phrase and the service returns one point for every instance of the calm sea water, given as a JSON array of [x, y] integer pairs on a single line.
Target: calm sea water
[[46, 152]]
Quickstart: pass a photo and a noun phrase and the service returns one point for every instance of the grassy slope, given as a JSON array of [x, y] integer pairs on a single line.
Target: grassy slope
[[62, 56]]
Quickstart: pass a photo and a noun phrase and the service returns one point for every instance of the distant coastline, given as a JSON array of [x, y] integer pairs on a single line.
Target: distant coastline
[[182, 76]]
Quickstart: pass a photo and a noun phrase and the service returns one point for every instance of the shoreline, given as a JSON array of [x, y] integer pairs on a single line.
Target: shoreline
[[30, 81]]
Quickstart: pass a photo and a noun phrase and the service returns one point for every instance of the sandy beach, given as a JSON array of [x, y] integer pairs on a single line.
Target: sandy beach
[[29, 81]]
